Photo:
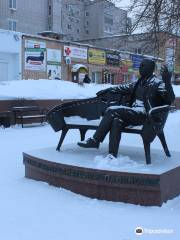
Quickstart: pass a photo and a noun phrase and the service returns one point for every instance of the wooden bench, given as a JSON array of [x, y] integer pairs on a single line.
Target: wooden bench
[[85, 114], [5, 119], [28, 114]]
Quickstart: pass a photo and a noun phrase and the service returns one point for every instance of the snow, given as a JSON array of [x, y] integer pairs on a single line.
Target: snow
[[52, 89], [83, 121], [34, 210], [127, 161], [48, 89], [176, 89]]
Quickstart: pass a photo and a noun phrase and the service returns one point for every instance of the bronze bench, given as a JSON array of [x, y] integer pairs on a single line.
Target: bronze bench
[[60, 118]]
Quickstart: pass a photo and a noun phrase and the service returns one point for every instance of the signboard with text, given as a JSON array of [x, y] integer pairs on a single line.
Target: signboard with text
[[75, 52], [136, 59], [96, 56], [112, 58]]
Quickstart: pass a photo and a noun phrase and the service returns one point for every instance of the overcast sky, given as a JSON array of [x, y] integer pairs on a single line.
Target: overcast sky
[[123, 3]]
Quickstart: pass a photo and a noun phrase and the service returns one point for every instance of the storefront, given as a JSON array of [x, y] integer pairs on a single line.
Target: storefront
[[78, 73], [126, 65], [112, 73]]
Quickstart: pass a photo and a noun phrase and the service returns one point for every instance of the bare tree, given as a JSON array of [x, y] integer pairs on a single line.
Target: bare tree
[[156, 15]]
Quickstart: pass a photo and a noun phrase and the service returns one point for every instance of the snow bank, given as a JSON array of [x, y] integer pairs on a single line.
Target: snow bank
[[48, 89], [52, 89], [176, 89]]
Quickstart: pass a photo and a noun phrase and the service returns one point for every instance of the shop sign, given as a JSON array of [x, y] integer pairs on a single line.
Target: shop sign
[[96, 56], [35, 55], [112, 58], [136, 59], [75, 52], [53, 56], [125, 56], [68, 60]]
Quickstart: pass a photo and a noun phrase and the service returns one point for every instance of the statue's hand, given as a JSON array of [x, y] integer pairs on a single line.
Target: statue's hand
[[166, 75], [107, 90]]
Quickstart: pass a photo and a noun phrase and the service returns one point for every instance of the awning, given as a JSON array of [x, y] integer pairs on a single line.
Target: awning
[[76, 67]]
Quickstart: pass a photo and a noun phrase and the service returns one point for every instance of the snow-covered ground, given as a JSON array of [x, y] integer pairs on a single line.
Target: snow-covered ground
[[52, 89], [31, 210]]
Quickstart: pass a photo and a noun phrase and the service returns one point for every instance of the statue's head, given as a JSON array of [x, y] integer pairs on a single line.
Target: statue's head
[[146, 68]]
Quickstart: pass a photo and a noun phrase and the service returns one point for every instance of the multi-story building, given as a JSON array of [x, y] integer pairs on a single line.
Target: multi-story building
[[103, 18], [75, 19], [24, 16]]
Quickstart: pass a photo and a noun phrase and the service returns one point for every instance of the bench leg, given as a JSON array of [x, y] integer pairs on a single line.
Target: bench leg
[[22, 122], [63, 134], [83, 133], [164, 144], [147, 151]]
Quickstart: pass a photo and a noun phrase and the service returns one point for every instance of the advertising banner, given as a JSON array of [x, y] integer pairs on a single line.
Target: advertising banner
[[54, 71], [53, 63], [112, 58], [75, 52], [96, 56], [53, 56], [35, 55], [136, 59]]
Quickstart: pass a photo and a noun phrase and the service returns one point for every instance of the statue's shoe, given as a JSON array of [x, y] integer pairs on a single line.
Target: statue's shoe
[[89, 143], [110, 157]]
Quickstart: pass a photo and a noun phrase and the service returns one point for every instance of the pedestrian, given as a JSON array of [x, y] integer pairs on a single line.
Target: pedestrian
[[86, 79]]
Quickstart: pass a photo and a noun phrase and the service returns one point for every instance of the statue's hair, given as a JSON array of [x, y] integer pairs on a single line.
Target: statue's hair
[[151, 63]]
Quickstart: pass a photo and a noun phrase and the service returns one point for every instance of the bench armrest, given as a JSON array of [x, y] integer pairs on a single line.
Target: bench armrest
[[156, 119], [158, 110]]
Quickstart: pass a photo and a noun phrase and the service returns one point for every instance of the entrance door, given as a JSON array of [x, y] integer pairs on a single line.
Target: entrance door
[[3, 71]]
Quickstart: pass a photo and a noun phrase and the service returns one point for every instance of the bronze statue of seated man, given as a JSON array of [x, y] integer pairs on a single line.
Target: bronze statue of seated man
[[147, 92]]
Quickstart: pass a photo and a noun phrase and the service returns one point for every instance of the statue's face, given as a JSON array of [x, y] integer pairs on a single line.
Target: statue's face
[[146, 68]]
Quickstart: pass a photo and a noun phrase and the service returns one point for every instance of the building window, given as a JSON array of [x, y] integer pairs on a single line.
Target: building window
[[107, 29], [87, 31], [12, 25], [86, 14], [50, 10], [71, 19], [108, 20], [78, 30], [138, 50], [12, 4], [96, 77], [69, 26], [87, 23]]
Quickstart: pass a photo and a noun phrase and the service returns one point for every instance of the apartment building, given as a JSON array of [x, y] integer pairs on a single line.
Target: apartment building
[[75, 19], [103, 18], [24, 16]]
